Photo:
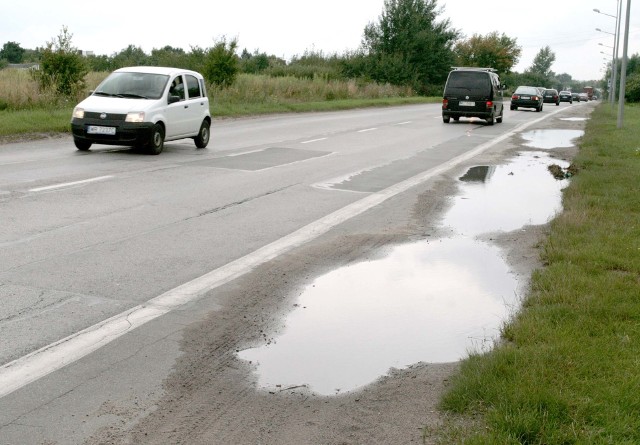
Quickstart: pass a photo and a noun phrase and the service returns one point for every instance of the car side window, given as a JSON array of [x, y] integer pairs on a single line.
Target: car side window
[[177, 88], [193, 86]]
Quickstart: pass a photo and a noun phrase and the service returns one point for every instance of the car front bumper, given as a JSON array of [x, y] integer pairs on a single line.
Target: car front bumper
[[125, 133]]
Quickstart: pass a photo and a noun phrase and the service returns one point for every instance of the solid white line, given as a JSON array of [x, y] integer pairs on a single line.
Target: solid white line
[[70, 184], [27, 369], [313, 140]]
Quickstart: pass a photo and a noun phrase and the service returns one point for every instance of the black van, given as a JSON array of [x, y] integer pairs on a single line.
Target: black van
[[473, 92]]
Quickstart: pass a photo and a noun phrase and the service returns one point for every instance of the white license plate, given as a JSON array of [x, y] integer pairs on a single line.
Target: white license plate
[[525, 97], [94, 129], [464, 103]]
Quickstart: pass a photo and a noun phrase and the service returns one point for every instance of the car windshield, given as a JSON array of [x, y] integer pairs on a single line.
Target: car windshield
[[133, 85], [465, 81]]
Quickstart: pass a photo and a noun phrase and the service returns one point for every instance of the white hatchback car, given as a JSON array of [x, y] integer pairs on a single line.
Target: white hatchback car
[[144, 106]]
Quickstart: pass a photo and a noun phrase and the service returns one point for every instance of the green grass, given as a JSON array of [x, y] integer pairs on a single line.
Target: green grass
[[569, 370], [35, 121]]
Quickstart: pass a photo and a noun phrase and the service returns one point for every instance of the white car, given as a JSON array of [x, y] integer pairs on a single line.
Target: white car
[[144, 107]]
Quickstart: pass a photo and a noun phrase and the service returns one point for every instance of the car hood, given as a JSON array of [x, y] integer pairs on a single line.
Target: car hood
[[117, 105]]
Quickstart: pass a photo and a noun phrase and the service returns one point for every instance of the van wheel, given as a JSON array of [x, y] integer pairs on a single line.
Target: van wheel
[[81, 144], [499, 118], [156, 143], [203, 135], [490, 120], [446, 119]]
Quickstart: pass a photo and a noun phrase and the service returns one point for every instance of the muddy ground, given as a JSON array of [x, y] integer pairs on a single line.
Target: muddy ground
[[212, 396]]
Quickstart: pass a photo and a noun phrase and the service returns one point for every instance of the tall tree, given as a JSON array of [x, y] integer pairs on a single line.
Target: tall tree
[[542, 62], [12, 52], [492, 51], [408, 46]]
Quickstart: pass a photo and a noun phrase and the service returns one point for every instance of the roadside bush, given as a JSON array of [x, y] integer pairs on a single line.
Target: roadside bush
[[632, 91], [221, 66], [61, 67]]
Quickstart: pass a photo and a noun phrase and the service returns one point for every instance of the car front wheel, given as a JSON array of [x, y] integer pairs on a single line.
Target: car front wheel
[[81, 144], [156, 143]]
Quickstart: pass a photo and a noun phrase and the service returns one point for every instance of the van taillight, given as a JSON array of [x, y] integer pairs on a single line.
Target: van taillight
[[489, 104], [445, 104]]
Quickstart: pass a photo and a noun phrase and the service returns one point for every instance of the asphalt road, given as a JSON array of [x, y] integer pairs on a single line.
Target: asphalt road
[[107, 255]]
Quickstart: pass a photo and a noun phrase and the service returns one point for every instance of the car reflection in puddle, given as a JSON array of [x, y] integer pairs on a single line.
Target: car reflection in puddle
[[429, 301], [511, 196]]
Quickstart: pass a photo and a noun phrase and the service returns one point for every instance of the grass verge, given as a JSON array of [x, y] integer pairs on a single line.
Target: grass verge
[[569, 369]]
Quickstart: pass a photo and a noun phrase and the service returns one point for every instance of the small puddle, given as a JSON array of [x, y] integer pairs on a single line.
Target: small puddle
[[547, 139], [429, 301], [432, 301], [508, 197]]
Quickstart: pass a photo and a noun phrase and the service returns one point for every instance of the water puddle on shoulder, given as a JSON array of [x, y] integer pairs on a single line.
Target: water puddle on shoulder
[[550, 138], [429, 301], [507, 197]]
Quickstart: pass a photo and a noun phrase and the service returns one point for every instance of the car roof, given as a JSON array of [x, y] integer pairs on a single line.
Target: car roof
[[156, 70]]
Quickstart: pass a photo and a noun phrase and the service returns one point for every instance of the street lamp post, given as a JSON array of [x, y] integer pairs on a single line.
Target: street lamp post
[[616, 38], [623, 69]]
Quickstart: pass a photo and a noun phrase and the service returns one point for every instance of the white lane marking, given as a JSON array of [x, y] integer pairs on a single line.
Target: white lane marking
[[313, 140], [20, 372], [404, 123], [367, 129], [232, 155], [70, 184]]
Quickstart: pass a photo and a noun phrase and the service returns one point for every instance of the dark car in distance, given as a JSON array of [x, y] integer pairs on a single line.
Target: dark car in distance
[[526, 97], [551, 96], [473, 92], [565, 96], [575, 96]]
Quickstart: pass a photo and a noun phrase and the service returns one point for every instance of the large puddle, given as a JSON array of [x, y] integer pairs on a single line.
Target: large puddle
[[550, 138], [507, 197], [430, 301]]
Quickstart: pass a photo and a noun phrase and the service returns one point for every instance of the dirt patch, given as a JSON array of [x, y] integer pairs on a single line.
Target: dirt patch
[[212, 396], [26, 137]]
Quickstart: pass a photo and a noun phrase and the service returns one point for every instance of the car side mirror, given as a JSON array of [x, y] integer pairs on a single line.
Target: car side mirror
[[174, 99]]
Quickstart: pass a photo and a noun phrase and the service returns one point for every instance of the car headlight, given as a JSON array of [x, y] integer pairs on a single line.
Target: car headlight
[[78, 113], [136, 117]]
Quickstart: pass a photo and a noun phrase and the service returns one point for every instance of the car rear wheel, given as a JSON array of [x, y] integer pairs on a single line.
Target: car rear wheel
[[203, 135], [156, 143], [446, 119], [81, 144]]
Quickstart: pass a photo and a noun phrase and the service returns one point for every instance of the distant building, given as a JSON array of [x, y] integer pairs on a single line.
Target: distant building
[[24, 66]]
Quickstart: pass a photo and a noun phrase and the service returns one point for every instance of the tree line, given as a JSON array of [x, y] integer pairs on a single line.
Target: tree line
[[409, 45]]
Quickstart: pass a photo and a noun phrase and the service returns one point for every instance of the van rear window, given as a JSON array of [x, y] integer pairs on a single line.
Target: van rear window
[[464, 81]]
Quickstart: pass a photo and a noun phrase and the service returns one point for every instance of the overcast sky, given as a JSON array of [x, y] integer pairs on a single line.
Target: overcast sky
[[289, 27]]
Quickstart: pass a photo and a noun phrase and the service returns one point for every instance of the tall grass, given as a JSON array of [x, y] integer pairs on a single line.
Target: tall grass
[[569, 371], [24, 109]]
